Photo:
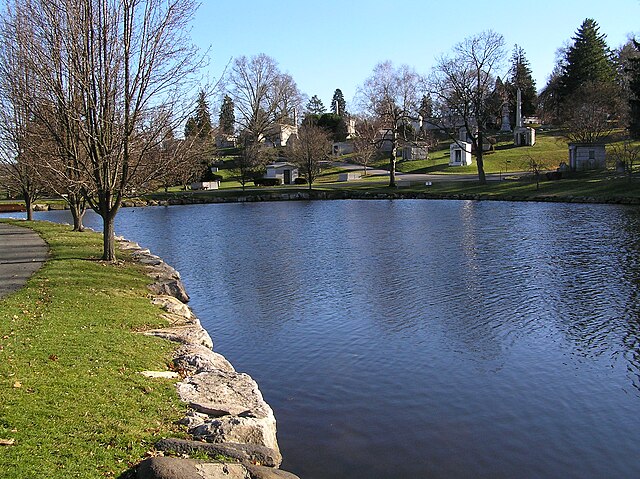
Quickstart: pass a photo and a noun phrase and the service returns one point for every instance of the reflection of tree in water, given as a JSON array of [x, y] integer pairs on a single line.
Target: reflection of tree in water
[[595, 304], [630, 259]]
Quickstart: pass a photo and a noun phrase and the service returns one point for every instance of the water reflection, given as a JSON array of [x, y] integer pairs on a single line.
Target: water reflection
[[424, 338]]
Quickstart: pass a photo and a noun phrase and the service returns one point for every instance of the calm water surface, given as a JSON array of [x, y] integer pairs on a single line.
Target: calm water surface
[[423, 339]]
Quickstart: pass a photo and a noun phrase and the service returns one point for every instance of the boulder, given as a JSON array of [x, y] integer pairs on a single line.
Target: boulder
[[242, 452], [261, 472], [171, 287], [178, 468], [187, 334], [166, 468], [163, 272], [173, 305], [243, 430], [195, 359], [224, 393]]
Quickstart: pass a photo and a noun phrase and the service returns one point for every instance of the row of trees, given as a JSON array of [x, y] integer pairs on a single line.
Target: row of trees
[[465, 90], [91, 93]]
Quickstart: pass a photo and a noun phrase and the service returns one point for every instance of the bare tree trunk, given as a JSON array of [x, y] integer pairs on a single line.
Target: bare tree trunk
[[392, 161], [28, 201], [78, 209], [108, 238], [482, 178]]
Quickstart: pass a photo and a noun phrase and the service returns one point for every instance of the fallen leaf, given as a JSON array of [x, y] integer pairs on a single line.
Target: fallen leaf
[[7, 442], [53, 357], [17, 384]]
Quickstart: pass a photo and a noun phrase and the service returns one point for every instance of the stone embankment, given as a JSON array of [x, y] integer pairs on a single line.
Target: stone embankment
[[196, 198], [227, 417]]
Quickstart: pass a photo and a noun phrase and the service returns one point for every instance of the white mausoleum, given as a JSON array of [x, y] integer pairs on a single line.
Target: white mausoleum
[[287, 172], [460, 154]]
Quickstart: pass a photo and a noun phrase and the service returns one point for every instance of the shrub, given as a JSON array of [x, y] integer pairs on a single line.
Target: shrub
[[300, 181], [266, 181]]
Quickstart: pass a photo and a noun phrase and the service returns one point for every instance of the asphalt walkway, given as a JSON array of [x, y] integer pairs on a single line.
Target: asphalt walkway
[[22, 253]]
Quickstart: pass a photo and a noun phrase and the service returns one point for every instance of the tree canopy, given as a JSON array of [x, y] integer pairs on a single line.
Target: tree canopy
[[588, 59], [315, 106], [520, 76], [227, 117], [338, 105]]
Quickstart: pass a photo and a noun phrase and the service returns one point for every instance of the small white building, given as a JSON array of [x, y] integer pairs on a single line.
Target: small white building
[[460, 154], [286, 172], [587, 156], [205, 185], [524, 136]]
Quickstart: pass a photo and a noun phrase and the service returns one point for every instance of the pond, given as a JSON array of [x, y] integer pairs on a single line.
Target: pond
[[439, 339]]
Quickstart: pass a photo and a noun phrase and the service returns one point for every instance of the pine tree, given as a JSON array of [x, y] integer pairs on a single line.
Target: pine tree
[[227, 116], [634, 90], [588, 60], [315, 106], [338, 105], [520, 76], [200, 123]]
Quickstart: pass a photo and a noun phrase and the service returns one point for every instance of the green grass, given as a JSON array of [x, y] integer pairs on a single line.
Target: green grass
[[70, 394], [506, 157]]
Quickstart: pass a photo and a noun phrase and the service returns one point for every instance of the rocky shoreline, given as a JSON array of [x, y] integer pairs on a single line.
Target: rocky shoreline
[[399, 194], [227, 417]]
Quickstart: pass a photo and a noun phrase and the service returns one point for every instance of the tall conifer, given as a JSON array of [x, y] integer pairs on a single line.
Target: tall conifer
[[588, 60]]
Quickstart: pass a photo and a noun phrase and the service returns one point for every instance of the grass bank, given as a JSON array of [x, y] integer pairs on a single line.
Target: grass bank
[[72, 400]]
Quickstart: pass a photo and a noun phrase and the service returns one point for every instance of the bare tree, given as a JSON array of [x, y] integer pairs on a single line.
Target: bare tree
[[308, 151], [536, 166], [252, 158], [589, 112], [394, 96], [462, 89], [626, 154], [19, 133], [262, 94], [365, 142], [129, 64]]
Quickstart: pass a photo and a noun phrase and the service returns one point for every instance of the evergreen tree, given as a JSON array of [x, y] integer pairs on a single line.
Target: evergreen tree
[[426, 107], [227, 116], [634, 93], [588, 60], [520, 76], [200, 123], [315, 106], [338, 105]]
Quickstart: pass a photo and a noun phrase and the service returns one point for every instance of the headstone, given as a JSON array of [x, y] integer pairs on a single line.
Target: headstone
[[506, 125]]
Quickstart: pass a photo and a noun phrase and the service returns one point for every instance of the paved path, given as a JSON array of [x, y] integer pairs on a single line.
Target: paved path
[[22, 253], [419, 177]]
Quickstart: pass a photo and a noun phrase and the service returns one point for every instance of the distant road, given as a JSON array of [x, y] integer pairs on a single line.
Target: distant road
[[419, 177], [22, 253]]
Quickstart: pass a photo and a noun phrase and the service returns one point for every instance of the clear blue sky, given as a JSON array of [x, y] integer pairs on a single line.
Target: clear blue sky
[[335, 44]]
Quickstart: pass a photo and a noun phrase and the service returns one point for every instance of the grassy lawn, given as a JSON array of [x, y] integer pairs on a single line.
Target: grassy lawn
[[70, 393]]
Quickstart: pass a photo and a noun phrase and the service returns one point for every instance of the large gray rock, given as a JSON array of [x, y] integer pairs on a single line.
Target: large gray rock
[[187, 334], [171, 287], [166, 468], [243, 430], [162, 272], [221, 393], [178, 468], [173, 305], [194, 359], [261, 472], [242, 452]]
